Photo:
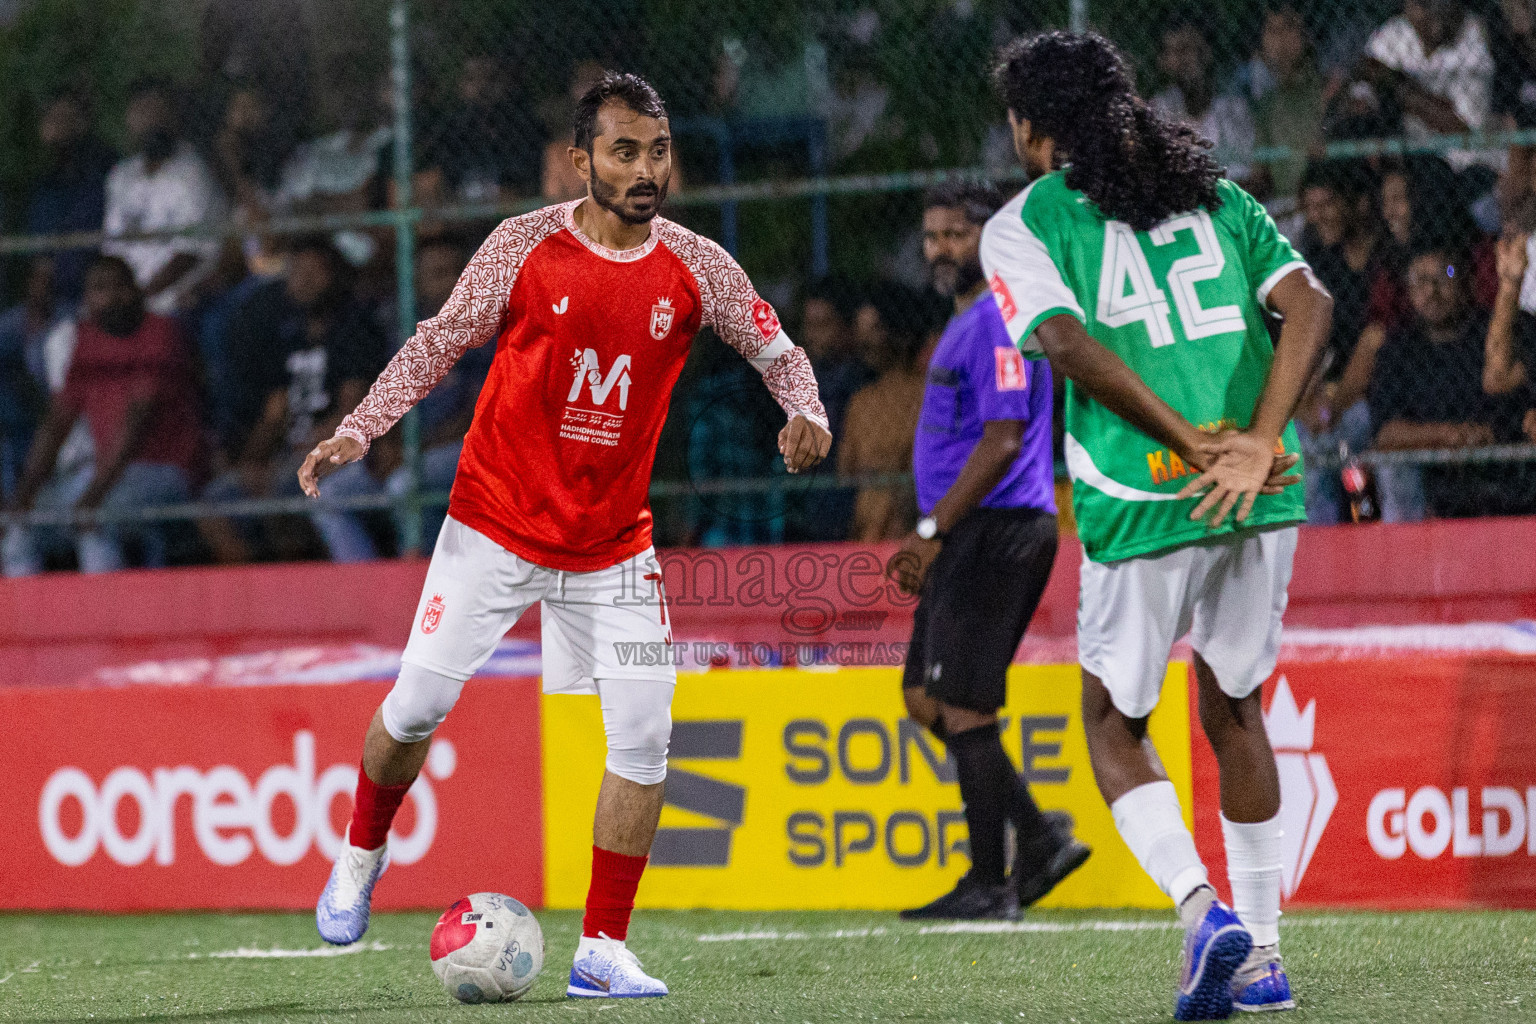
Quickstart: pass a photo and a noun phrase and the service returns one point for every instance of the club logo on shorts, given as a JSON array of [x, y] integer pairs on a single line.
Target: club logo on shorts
[[766, 319], [1011, 375], [433, 616], [661, 319], [1004, 297]]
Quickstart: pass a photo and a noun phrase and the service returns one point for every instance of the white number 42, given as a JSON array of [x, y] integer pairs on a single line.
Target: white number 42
[[1129, 293]]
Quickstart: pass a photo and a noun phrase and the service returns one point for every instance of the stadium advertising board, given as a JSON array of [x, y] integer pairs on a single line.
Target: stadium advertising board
[[812, 790], [1405, 782], [173, 798]]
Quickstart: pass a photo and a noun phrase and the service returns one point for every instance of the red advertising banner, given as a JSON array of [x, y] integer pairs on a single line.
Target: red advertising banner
[[1406, 782], [224, 797]]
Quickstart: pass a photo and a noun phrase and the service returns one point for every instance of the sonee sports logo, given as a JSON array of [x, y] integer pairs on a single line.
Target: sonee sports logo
[[690, 791]]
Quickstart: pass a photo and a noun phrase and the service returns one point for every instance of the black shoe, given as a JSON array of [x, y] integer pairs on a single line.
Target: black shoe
[[1064, 856], [970, 900]]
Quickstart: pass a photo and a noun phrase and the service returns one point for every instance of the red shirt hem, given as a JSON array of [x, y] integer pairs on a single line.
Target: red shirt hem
[[548, 559]]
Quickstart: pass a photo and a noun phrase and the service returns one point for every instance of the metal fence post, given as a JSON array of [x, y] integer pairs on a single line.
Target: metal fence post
[[1077, 17], [405, 251]]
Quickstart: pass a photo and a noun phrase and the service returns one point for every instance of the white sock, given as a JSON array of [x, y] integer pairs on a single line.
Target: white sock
[[1152, 825], [1253, 868]]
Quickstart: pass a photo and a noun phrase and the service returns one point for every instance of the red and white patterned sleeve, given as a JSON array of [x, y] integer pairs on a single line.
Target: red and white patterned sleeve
[[473, 315], [746, 322]]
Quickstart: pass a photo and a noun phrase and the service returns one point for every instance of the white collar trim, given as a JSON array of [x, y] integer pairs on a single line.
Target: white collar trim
[[614, 255]]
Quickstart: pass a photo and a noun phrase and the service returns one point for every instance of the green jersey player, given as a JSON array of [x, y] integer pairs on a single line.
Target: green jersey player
[[1147, 278]]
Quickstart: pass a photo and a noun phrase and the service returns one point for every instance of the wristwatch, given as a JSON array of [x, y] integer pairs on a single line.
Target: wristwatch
[[928, 528]]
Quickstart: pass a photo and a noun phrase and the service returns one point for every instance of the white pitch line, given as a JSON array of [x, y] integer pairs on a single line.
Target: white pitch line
[[984, 928], [1049, 927], [7, 978], [248, 953]]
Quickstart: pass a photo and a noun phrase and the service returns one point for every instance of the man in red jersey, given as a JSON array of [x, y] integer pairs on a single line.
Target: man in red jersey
[[593, 305]]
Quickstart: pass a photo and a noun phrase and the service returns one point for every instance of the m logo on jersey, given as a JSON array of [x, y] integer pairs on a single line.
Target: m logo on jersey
[[1011, 375], [433, 616], [766, 319], [1004, 297], [589, 372], [661, 320]]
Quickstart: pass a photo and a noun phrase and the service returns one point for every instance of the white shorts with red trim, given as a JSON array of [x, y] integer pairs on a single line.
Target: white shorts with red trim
[[607, 624]]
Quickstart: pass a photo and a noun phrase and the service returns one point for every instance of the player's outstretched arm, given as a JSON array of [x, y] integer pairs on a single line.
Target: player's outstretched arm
[[474, 314], [746, 322]]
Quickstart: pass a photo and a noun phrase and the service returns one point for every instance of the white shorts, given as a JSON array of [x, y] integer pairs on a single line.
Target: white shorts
[[1227, 595], [607, 624]]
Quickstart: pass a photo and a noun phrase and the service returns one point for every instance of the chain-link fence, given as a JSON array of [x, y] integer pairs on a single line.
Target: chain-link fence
[[294, 182]]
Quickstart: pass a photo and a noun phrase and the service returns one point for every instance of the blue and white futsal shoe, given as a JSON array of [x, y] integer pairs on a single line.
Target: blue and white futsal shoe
[[1213, 951], [342, 913], [606, 969], [1261, 985]]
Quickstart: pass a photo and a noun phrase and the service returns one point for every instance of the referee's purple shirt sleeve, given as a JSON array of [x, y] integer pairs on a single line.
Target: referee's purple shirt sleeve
[[991, 335]]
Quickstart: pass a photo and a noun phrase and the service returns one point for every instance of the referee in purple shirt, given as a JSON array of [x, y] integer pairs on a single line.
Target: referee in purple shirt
[[980, 557]]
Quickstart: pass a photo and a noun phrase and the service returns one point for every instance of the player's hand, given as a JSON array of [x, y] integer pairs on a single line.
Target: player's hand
[[909, 566], [327, 457], [1237, 475], [1280, 475], [1529, 424], [803, 444]]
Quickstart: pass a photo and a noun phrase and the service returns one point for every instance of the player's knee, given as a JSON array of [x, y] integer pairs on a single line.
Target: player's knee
[[637, 743], [418, 703]]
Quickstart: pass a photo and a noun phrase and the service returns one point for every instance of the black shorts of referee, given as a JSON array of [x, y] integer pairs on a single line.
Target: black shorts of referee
[[979, 594]]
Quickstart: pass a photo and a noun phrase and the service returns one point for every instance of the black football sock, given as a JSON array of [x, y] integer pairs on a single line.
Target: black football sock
[[980, 762], [1032, 838]]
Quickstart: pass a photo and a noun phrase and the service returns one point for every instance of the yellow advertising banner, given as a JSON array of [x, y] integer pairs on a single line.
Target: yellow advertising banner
[[798, 789]]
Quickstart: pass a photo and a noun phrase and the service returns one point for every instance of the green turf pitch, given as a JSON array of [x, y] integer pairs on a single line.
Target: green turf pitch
[[791, 967]]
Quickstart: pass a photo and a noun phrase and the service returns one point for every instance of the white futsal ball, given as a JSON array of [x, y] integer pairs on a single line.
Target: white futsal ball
[[487, 948]]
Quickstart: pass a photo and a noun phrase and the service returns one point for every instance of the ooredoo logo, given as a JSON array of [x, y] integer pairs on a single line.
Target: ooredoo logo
[[1307, 793], [230, 816]]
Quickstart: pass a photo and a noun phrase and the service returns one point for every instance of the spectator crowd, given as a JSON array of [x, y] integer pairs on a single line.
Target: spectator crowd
[[161, 370]]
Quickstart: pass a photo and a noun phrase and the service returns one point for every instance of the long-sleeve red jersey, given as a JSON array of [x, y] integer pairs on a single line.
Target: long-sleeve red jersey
[[589, 344]]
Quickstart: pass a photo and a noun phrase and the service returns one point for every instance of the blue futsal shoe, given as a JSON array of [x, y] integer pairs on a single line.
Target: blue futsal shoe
[[1213, 951], [606, 969], [1260, 985], [342, 913]]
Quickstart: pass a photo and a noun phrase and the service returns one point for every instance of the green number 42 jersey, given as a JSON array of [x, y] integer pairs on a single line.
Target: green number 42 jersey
[[1183, 305]]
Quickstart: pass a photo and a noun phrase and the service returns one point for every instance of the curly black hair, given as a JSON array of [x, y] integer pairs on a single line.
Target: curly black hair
[[1076, 88]]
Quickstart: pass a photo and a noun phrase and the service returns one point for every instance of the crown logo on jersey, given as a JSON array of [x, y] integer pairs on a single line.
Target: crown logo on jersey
[[661, 318]]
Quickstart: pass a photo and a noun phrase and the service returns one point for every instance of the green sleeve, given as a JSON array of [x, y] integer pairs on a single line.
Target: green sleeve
[[1270, 255]]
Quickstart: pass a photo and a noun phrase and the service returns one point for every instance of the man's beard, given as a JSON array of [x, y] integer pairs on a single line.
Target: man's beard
[[951, 278], [607, 196]]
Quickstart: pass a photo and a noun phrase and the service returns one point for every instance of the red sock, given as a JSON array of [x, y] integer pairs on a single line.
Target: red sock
[[615, 877], [373, 808]]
